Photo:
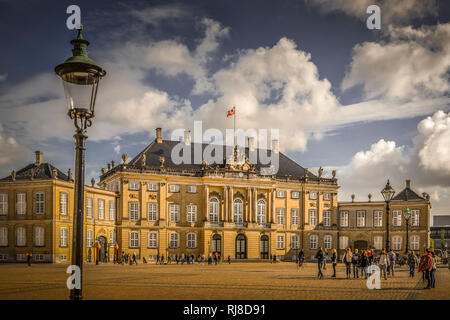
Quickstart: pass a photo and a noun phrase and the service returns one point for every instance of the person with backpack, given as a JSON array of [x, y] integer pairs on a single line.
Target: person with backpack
[[355, 263], [347, 259], [412, 263], [320, 256], [425, 266]]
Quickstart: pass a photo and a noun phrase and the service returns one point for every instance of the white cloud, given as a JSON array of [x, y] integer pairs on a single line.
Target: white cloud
[[392, 11], [155, 15], [3, 77], [11, 150]]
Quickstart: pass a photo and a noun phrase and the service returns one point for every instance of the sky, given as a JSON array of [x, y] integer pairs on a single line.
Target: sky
[[371, 104]]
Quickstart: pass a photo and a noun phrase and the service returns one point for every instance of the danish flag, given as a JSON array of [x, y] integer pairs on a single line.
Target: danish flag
[[231, 112]]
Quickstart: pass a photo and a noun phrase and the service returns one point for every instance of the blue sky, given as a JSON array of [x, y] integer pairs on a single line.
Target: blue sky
[[372, 104]]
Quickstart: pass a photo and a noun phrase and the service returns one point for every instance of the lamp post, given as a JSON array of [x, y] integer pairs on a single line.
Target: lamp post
[[80, 76], [388, 193], [407, 215]]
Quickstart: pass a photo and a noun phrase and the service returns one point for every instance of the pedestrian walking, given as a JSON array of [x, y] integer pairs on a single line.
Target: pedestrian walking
[[425, 266], [412, 263], [320, 256], [392, 257], [162, 260], [229, 259], [29, 258], [347, 259], [157, 258], [383, 263], [433, 269], [334, 262], [363, 264], [355, 264]]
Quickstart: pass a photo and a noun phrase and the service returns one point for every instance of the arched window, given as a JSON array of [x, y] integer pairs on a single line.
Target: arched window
[[214, 210], [261, 212], [238, 211]]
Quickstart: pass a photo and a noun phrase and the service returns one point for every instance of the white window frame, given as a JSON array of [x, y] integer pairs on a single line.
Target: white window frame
[[39, 202], [343, 242], [21, 237], [397, 243], [214, 210], [63, 203], [295, 214], [238, 211], [174, 240], [3, 204], [295, 195], [101, 209], [152, 187], [415, 242], [112, 210], [281, 194], [4, 237], [133, 210], [191, 210], [313, 242], [313, 195], [415, 218], [360, 218], [343, 215], [174, 188], [39, 236], [327, 196], [191, 189], [63, 237], [378, 242], [397, 218], [327, 242], [152, 211], [378, 218], [280, 214], [174, 212], [312, 217], [21, 203], [191, 240], [280, 242], [261, 212], [134, 239], [89, 202], [89, 238], [295, 242], [327, 218], [153, 239], [134, 186], [3, 257]]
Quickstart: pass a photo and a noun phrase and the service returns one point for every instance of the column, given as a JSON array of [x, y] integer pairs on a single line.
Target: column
[[255, 205], [206, 203], [248, 207], [272, 200], [225, 211], [142, 206], [230, 205]]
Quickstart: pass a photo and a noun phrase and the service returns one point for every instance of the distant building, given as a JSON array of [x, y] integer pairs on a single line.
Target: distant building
[[441, 221], [440, 231]]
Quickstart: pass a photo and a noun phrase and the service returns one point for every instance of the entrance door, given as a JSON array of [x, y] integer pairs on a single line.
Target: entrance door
[[264, 247], [241, 244], [360, 245], [103, 252], [217, 244]]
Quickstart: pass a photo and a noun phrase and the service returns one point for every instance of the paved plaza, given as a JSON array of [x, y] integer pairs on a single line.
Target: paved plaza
[[237, 281]]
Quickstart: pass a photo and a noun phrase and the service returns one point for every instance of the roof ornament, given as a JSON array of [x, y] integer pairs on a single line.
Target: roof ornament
[[54, 173], [31, 174], [112, 164], [320, 172], [109, 166], [306, 174], [143, 160], [370, 197], [13, 176], [333, 174], [69, 174], [124, 158], [93, 182], [103, 170], [353, 198], [161, 161]]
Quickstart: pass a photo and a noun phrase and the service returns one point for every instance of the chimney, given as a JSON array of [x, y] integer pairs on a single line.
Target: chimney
[[38, 157], [251, 144], [370, 197], [276, 146], [158, 135], [353, 198], [187, 137], [408, 184]]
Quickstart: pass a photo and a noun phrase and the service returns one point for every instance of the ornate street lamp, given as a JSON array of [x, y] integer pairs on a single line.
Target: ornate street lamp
[[388, 193], [407, 215], [80, 76]]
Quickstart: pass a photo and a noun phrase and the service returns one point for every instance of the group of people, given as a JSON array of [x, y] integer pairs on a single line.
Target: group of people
[[215, 258], [428, 266]]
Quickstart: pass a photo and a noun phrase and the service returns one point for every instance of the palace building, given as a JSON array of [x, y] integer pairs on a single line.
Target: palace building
[[152, 206]]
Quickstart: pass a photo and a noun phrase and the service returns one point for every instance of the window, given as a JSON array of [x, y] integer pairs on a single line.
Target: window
[[20, 257], [261, 212], [134, 239], [63, 234], [39, 202], [133, 211], [174, 188], [192, 189], [397, 218], [191, 240], [313, 239], [415, 218], [3, 204], [21, 203], [3, 257], [327, 218], [174, 211], [281, 193], [101, 209], [327, 196], [3, 236], [280, 242], [112, 238], [63, 257], [294, 217], [378, 218], [39, 236], [344, 219], [112, 210], [295, 195], [174, 240], [312, 218], [397, 243], [238, 211], [153, 240], [192, 213], [152, 211], [152, 187], [89, 208], [327, 242], [313, 195], [294, 242], [415, 241], [133, 186], [21, 237], [280, 215], [38, 257], [378, 242], [360, 218], [63, 203], [89, 238], [343, 242], [214, 210]]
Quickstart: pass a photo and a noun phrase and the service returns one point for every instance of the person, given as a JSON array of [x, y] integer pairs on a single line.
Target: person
[[209, 259], [176, 258], [445, 256], [392, 257], [122, 258], [383, 263], [412, 263], [433, 269], [347, 259], [215, 258], [425, 266], [29, 259], [182, 258], [143, 260], [355, 264], [363, 264], [334, 262], [157, 258], [162, 260], [229, 259], [320, 256]]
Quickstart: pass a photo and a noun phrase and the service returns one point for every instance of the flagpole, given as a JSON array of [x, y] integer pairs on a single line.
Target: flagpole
[[234, 129]]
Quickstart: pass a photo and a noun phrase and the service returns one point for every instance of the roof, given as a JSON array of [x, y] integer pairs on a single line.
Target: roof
[[153, 152], [407, 194], [42, 171]]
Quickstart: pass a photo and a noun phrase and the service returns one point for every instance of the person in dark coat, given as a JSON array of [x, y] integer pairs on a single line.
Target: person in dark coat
[[229, 259], [355, 264], [334, 262], [363, 264], [29, 259], [320, 256]]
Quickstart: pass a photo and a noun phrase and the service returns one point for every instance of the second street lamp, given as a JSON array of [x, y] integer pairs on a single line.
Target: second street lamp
[[80, 76], [407, 215], [388, 193]]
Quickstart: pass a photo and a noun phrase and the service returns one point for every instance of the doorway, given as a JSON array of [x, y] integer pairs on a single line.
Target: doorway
[[241, 245]]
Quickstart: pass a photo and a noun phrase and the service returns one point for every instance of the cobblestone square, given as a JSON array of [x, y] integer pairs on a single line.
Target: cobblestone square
[[237, 281]]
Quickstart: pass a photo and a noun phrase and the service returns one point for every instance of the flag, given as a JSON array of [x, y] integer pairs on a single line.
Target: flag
[[231, 112]]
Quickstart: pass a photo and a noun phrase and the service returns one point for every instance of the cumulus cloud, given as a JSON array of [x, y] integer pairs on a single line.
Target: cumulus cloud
[[12, 150], [392, 12], [156, 15]]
